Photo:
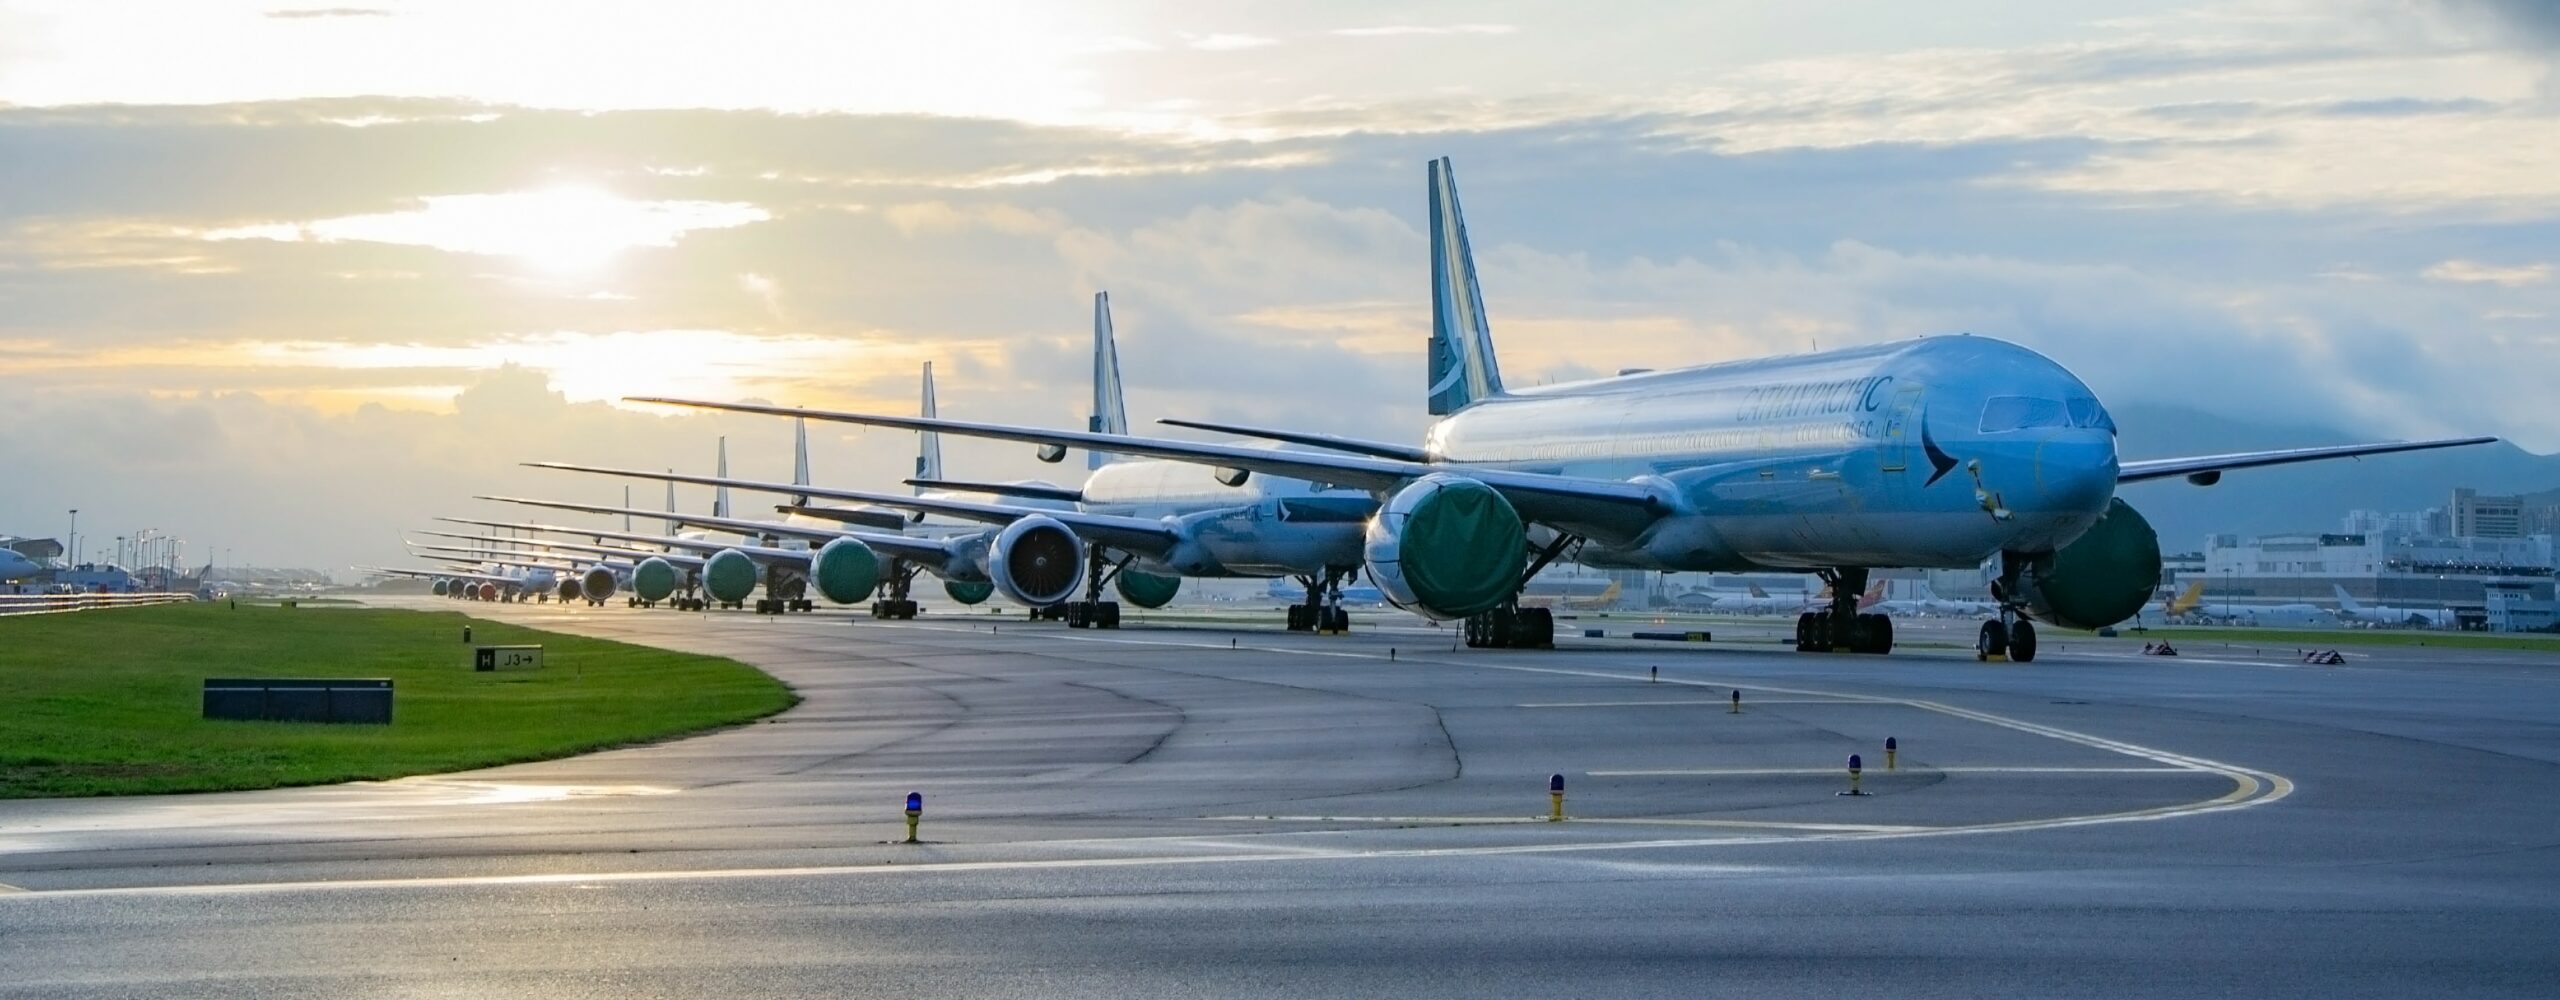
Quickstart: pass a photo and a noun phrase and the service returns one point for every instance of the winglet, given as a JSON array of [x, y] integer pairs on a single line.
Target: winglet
[[1462, 367]]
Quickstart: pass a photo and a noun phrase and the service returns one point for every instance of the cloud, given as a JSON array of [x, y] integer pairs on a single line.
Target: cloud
[[1394, 30], [1228, 42], [316, 13], [2473, 272]]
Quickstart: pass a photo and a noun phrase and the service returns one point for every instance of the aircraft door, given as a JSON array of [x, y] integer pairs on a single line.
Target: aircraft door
[[1893, 443]]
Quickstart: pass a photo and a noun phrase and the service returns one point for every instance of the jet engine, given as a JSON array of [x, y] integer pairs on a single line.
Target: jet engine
[[1446, 547], [1146, 590], [729, 576], [845, 571], [596, 584], [570, 589], [2103, 577], [1036, 561], [489, 592], [441, 588], [654, 579], [969, 591]]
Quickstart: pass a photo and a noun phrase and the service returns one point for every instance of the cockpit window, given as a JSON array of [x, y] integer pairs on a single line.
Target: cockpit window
[[2001, 414], [2085, 412], [2018, 413]]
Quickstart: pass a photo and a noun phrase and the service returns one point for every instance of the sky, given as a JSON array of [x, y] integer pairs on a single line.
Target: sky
[[285, 280]]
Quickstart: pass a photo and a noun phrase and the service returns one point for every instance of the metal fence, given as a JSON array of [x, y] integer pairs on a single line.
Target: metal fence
[[47, 604]]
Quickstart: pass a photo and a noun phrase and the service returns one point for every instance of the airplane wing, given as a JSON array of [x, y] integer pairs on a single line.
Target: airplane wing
[[1026, 491], [1134, 534], [1355, 446], [675, 541], [1606, 507], [924, 551], [2207, 470]]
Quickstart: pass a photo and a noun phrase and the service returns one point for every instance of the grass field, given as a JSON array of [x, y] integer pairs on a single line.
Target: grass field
[[2332, 638], [109, 702]]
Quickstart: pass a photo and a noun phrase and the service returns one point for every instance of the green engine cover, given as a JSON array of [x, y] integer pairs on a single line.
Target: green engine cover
[[1447, 546], [654, 579], [845, 570], [729, 576], [969, 593], [1146, 590], [443, 587], [2102, 577]]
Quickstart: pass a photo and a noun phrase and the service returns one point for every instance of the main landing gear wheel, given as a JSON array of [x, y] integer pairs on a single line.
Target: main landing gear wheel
[[1512, 628], [1992, 641], [2022, 641], [1092, 614]]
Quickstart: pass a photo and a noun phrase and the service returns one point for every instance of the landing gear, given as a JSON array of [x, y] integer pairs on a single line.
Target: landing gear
[[2012, 635], [1093, 611], [1323, 611], [896, 606], [1842, 627], [1512, 627], [1092, 614]]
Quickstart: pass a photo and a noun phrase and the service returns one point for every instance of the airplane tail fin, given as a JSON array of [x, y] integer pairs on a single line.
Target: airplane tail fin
[[2187, 600], [672, 526], [1872, 597], [799, 458], [928, 443], [2346, 603], [1462, 368], [1110, 403], [1759, 593], [720, 495]]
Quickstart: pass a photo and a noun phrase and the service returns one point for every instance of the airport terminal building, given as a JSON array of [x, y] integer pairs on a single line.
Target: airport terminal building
[[2382, 568]]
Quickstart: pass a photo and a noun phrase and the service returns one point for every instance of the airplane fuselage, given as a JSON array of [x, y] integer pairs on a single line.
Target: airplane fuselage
[[1266, 526], [1858, 457]]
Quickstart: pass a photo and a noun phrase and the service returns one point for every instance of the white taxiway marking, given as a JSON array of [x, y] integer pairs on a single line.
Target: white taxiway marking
[[1914, 769], [2250, 787], [1688, 701]]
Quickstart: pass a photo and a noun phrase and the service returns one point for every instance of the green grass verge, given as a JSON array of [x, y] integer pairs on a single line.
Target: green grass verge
[[110, 702], [2332, 638]]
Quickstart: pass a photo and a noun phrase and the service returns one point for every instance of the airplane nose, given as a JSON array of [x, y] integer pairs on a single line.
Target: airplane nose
[[2076, 470]]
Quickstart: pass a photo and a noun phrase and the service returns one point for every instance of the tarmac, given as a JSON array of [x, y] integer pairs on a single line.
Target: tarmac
[[1209, 808]]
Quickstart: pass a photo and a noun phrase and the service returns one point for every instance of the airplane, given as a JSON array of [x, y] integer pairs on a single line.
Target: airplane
[[1940, 452], [1163, 521], [2185, 603], [2351, 610], [2293, 615], [1929, 603], [15, 566], [461, 583]]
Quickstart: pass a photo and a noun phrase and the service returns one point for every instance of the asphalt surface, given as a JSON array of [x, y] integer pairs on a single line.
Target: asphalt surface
[[1215, 810]]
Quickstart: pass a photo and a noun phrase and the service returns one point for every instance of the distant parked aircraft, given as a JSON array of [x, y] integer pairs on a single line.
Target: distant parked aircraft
[[2386, 615]]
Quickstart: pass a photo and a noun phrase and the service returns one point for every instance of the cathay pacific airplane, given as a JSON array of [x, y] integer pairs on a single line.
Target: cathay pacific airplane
[[1941, 452], [1138, 526]]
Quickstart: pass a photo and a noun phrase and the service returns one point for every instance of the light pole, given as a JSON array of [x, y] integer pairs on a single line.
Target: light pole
[[74, 543]]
